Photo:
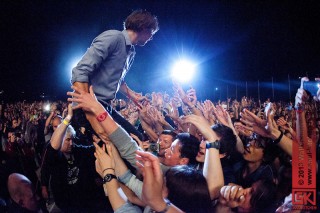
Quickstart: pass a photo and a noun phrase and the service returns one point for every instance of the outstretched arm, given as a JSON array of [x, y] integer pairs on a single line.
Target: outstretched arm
[[153, 183], [105, 164], [57, 137], [119, 137], [135, 97], [212, 169]]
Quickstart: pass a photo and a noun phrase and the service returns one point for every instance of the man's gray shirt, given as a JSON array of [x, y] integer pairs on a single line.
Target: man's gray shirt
[[105, 64]]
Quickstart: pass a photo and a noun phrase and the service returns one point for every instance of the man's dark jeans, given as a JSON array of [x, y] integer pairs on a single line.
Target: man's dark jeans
[[79, 120]]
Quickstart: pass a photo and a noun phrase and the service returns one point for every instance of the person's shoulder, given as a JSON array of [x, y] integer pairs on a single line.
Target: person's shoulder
[[111, 33], [110, 36]]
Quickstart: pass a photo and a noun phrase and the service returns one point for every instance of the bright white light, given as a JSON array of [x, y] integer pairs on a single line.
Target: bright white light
[[73, 62], [47, 107], [183, 70], [217, 88]]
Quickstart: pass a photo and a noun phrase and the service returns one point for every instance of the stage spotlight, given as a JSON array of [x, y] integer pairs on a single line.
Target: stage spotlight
[[183, 70]]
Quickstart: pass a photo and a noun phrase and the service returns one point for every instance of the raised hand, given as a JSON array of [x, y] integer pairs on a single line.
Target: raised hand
[[250, 118], [70, 110], [192, 95], [283, 123], [202, 125], [152, 180], [301, 95], [104, 161], [86, 101], [142, 144], [232, 196], [272, 129], [183, 96], [221, 114], [208, 106], [243, 129], [139, 97]]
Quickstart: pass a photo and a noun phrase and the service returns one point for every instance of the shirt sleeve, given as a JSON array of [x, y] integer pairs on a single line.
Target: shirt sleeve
[[49, 159], [128, 208], [131, 181], [126, 146], [101, 47]]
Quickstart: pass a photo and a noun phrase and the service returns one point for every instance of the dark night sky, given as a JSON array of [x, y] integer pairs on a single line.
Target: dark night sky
[[232, 42]]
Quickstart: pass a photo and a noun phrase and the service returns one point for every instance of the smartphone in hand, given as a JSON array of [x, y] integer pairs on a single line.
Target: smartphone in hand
[[312, 87]]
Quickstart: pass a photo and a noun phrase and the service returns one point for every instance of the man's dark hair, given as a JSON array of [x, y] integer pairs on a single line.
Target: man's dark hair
[[140, 20], [263, 197], [227, 139], [169, 132], [188, 189], [189, 147]]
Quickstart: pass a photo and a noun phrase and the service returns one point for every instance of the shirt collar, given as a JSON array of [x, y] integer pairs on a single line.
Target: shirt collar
[[126, 36]]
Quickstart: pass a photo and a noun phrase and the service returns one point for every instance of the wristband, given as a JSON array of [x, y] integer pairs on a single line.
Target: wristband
[[66, 122], [215, 145], [101, 117], [168, 204], [276, 141]]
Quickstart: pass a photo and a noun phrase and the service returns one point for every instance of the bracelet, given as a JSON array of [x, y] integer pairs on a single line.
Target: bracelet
[[107, 169], [66, 122], [168, 204], [276, 141], [101, 117]]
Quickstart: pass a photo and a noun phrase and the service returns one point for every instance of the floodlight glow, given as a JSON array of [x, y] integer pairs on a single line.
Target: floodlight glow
[[216, 88], [183, 70], [47, 108], [73, 62]]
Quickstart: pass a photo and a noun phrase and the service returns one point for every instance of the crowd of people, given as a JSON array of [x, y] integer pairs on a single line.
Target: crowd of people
[[149, 153], [225, 156]]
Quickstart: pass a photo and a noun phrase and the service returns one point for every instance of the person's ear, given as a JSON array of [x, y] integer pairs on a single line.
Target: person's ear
[[184, 161]]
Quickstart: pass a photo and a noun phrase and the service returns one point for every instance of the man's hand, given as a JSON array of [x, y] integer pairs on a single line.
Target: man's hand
[[301, 96], [153, 180], [243, 129], [103, 160], [232, 196], [142, 144], [221, 114], [202, 125], [183, 96], [192, 95], [86, 101]]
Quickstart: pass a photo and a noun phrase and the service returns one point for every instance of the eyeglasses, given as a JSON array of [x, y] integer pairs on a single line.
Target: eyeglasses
[[255, 143]]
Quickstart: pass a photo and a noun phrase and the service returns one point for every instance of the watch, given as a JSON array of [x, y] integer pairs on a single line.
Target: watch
[[215, 145], [108, 178]]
